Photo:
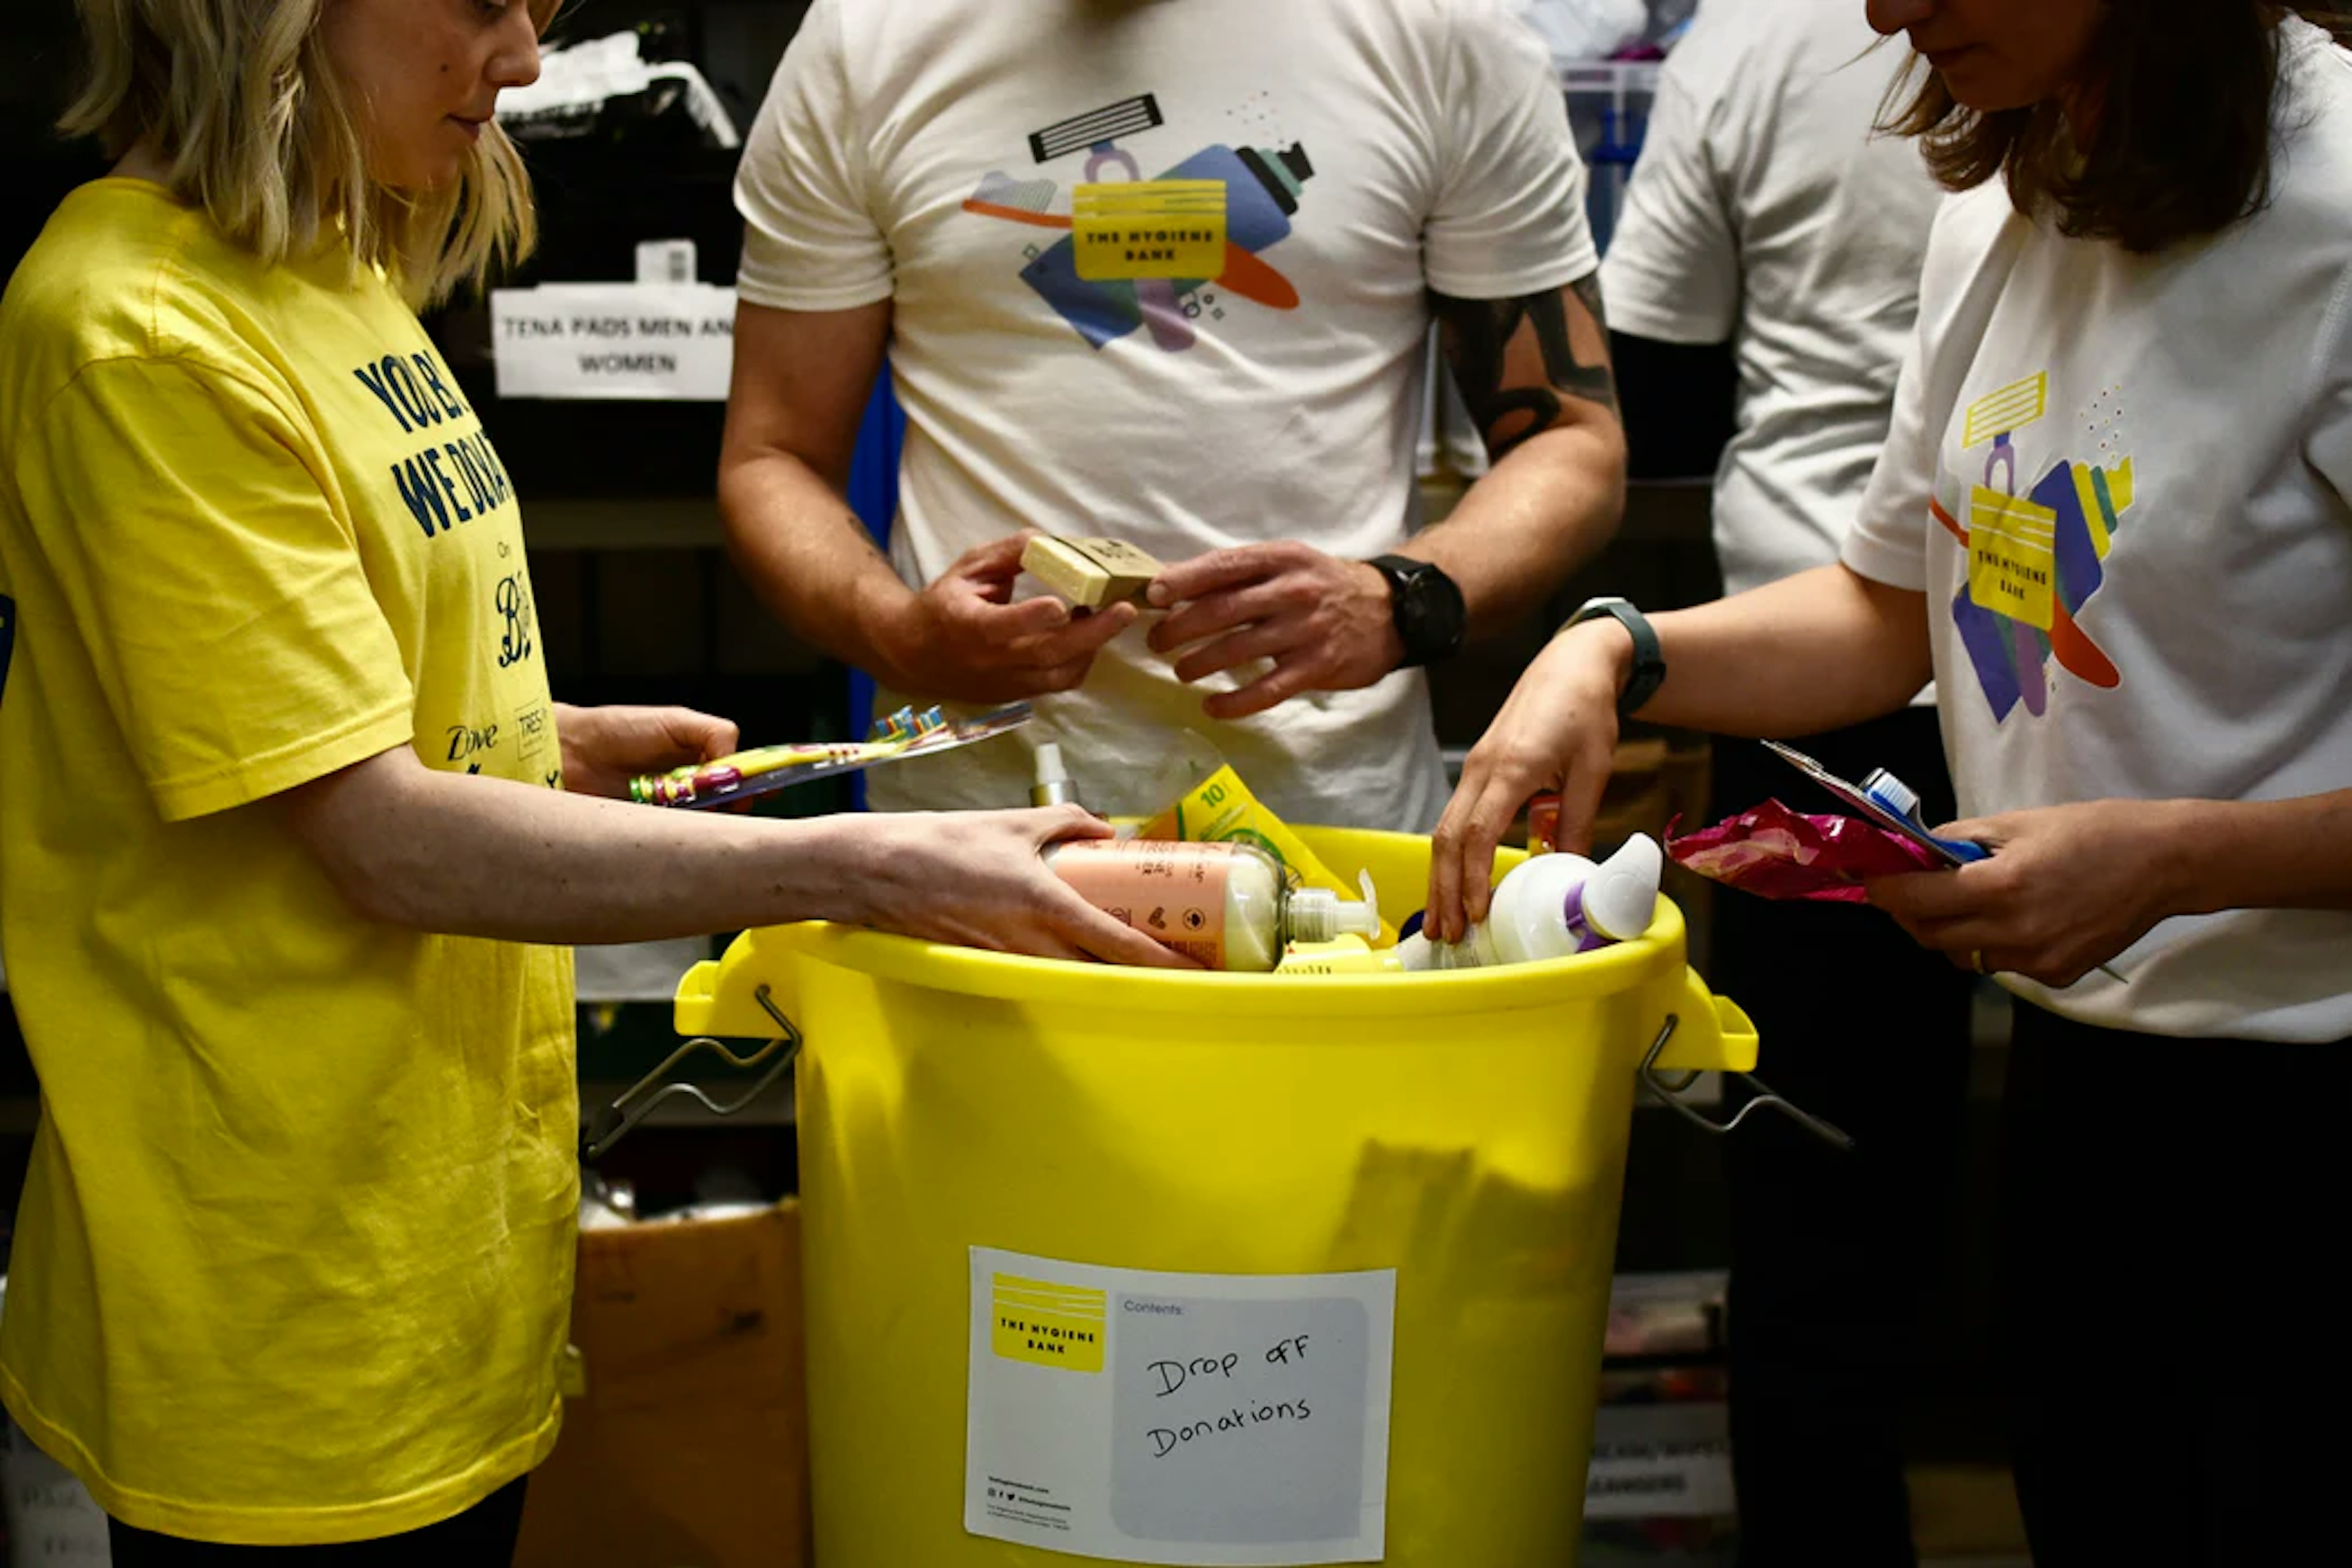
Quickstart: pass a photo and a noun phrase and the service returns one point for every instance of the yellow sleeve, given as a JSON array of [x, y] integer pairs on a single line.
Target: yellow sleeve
[[218, 590]]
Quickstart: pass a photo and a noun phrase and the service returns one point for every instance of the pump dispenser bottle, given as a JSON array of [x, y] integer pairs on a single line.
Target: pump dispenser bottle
[[1228, 906], [1552, 906], [1055, 786]]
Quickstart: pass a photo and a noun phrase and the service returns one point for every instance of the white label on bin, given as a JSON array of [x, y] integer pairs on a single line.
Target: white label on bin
[[1191, 1419]]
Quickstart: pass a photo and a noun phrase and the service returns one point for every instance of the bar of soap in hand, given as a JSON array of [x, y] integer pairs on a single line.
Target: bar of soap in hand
[[1089, 572]]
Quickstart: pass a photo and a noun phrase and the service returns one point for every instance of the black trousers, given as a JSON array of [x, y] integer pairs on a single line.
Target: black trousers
[[1832, 1253], [2171, 1211], [483, 1536]]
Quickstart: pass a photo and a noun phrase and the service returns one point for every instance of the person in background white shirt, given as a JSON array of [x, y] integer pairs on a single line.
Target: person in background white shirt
[[1764, 213], [2113, 520], [1241, 402]]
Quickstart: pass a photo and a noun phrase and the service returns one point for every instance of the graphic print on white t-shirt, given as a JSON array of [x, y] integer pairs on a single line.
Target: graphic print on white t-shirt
[[1037, 188], [1169, 253], [2125, 485], [2040, 517]]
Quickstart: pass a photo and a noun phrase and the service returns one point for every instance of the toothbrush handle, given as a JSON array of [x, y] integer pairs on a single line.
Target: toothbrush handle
[[1961, 850]]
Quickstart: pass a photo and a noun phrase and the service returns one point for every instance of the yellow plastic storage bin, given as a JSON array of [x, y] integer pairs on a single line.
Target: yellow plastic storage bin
[[1465, 1130]]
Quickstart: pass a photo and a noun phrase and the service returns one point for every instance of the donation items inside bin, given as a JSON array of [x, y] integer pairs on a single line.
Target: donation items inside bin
[[1199, 1268]]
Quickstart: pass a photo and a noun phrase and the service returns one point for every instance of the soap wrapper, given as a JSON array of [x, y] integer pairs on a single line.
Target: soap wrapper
[[1776, 853]]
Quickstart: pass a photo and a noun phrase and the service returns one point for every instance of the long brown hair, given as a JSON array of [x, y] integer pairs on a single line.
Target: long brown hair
[[2186, 93]]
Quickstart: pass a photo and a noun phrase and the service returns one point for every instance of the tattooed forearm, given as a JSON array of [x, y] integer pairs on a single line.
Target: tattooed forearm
[[1587, 291], [1478, 335]]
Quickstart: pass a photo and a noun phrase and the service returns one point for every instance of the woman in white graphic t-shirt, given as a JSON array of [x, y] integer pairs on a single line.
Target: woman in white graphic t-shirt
[[2113, 520]]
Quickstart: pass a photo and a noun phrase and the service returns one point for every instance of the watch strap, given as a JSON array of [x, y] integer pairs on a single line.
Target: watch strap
[[1649, 658], [1410, 578]]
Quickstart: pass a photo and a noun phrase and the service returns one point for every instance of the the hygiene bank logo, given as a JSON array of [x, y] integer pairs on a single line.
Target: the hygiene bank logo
[[1049, 1325]]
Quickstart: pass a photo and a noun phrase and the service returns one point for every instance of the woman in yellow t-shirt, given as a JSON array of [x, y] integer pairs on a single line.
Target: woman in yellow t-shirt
[[290, 831]]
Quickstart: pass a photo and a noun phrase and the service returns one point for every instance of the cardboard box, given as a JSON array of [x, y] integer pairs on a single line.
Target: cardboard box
[[688, 1446]]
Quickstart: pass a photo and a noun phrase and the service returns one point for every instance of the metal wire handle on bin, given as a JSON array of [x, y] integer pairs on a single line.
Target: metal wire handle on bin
[[1667, 1092], [608, 1126]]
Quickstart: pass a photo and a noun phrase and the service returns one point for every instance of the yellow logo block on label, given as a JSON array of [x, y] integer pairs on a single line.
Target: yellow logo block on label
[[1150, 229], [2012, 407], [2011, 558], [1047, 1324]]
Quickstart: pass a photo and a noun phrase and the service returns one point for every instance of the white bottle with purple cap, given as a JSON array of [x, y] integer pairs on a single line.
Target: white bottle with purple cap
[[1552, 906]]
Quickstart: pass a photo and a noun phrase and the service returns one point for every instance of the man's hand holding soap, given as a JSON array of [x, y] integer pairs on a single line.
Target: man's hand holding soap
[[1089, 572]]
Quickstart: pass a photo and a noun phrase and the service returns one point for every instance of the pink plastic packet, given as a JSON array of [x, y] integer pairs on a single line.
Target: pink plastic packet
[[1776, 853]]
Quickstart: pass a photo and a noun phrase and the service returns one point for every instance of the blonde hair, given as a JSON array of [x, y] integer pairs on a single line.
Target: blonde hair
[[240, 100]]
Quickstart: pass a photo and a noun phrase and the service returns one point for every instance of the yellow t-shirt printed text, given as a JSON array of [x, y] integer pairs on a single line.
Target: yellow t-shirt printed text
[[294, 1261]]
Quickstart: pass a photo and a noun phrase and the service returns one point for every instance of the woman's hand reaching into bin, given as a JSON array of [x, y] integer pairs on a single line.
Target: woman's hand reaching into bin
[[974, 879], [1558, 730]]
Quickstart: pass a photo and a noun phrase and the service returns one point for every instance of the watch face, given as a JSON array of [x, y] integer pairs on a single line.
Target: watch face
[[1429, 612], [1412, 613]]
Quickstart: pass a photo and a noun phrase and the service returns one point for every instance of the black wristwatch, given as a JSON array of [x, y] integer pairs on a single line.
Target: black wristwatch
[[1430, 613], [1649, 662]]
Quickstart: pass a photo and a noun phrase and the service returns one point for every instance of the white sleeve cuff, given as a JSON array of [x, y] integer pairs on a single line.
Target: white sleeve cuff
[[1898, 565], [1640, 316], [1578, 262], [786, 297]]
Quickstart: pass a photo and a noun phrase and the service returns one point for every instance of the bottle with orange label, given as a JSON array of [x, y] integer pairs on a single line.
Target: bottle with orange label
[[1226, 905]]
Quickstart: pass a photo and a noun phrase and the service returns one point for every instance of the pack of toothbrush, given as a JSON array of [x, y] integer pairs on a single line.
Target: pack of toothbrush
[[746, 776], [1776, 853]]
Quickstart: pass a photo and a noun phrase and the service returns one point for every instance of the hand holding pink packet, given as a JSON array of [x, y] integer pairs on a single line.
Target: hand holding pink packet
[[1776, 853]]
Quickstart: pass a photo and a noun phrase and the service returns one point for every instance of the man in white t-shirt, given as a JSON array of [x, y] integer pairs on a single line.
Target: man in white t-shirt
[[1232, 389], [1764, 213]]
